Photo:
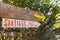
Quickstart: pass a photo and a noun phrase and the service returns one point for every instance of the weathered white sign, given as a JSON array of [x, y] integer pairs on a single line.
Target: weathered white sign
[[10, 23]]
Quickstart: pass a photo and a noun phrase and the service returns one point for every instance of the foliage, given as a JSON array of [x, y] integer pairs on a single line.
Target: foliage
[[50, 9]]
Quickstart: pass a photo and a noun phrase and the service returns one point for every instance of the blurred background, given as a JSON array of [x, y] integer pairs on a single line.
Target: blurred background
[[48, 30]]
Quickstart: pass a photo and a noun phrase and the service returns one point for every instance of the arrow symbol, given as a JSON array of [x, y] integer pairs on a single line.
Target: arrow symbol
[[39, 16]]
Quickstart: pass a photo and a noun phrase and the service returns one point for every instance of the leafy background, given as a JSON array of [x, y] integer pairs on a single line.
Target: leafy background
[[50, 9]]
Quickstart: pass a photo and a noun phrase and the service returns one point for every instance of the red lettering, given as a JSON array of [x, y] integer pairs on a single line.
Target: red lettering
[[23, 23], [30, 23], [12, 22], [8, 21], [19, 23], [5, 22], [15, 22]]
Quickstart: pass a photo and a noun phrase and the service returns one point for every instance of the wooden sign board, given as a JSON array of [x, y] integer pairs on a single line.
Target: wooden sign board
[[8, 11], [11, 23]]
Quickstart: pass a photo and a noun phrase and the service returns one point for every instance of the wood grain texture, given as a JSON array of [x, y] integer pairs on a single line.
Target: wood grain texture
[[9, 11]]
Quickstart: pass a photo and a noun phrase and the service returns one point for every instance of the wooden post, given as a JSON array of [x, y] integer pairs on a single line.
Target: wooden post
[[9, 11]]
